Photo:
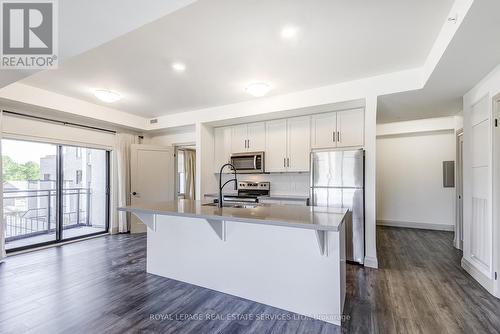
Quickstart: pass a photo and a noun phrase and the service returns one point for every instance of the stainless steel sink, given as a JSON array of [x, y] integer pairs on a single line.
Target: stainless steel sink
[[235, 205]]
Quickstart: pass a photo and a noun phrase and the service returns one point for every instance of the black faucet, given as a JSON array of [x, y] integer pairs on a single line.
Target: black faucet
[[221, 186]]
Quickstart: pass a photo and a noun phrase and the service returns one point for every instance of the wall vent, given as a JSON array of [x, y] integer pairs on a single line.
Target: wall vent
[[153, 121]]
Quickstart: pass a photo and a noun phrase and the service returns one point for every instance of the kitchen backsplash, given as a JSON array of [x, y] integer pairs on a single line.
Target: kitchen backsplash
[[295, 184]]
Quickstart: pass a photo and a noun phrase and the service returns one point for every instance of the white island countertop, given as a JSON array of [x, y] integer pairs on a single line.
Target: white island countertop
[[305, 217]]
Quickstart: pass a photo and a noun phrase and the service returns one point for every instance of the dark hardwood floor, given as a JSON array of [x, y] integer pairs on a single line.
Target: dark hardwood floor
[[100, 286]]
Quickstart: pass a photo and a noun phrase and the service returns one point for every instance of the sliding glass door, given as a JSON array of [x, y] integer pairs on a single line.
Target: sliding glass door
[[85, 184], [53, 192], [29, 193]]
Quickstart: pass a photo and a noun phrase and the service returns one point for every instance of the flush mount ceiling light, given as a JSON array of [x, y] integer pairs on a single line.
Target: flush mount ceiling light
[[289, 32], [178, 67], [107, 95], [258, 89]]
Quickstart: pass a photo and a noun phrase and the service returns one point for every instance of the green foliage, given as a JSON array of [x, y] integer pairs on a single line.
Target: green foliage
[[13, 171]]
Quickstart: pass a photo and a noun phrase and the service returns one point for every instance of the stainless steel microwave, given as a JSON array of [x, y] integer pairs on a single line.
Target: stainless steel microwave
[[248, 162]]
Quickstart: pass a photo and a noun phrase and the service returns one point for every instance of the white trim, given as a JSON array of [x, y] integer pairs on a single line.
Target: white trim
[[422, 226], [481, 278], [371, 262], [45, 140], [29, 250]]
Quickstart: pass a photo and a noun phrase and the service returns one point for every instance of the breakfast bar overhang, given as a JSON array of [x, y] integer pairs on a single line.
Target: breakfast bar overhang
[[289, 257]]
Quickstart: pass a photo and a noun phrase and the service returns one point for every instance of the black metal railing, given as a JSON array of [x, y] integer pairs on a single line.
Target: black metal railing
[[38, 215]]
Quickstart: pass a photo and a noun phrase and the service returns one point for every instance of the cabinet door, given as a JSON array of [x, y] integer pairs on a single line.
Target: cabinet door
[[350, 127], [299, 145], [239, 138], [276, 140], [222, 147], [324, 127], [256, 137]]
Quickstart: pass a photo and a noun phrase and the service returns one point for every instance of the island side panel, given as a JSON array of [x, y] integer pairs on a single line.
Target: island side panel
[[273, 265]]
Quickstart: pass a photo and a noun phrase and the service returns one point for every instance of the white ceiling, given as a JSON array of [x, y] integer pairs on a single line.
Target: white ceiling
[[473, 53], [84, 25], [227, 44]]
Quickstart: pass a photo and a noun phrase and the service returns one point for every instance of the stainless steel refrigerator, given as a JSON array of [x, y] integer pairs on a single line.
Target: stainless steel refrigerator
[[337, 180]]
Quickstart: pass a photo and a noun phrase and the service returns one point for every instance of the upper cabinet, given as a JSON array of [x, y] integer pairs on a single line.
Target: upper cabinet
[[338, 129], [350, 128], [287, 145], [222, 143], [248, 137]]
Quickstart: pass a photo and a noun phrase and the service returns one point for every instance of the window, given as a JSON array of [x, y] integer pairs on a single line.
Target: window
[[37, 176]]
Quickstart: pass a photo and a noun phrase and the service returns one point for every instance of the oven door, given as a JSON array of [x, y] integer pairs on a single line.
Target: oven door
[[248, 162]]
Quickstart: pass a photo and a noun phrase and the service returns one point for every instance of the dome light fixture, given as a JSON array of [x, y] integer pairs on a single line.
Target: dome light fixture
[[107, 95]]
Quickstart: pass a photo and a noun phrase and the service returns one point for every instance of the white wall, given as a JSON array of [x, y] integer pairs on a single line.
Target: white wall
[[410, 190], [481, 169], [185, 137], [291, 184]]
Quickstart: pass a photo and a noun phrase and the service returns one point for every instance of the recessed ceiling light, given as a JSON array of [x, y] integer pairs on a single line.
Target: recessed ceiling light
[[289, 32], [179, 67], [107, 95], [258, 89]]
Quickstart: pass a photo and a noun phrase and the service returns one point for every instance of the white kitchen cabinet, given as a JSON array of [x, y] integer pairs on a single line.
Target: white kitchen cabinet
[[256, 137], [288, 145], [239, 137], [276, 145], [248, 137], [222, 145], [324, 128], [338, 129], [298, 144], [350, 128]]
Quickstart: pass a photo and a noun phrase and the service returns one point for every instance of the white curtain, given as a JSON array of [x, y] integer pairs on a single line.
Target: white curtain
[[189, 172], [123, 142], [2, 232]]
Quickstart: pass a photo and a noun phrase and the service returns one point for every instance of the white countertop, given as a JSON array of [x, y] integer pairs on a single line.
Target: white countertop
[[306, 217]]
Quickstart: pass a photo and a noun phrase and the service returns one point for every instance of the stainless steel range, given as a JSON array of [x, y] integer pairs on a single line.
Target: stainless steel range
[[249, 192]]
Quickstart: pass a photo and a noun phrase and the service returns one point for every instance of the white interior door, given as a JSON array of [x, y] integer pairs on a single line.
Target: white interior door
[[152, 177]]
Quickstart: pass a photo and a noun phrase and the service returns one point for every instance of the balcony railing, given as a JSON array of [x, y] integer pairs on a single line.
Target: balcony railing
[[29, 213]]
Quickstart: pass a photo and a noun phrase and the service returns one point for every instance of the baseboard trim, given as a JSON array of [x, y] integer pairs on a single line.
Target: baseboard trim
[[422, 226], [371, 262], [479, 276]]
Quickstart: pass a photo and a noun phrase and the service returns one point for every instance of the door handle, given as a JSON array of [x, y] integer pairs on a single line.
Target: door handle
[[135, 193]]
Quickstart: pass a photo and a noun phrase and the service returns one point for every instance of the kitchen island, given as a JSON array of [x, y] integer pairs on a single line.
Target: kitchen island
[[289, 257]]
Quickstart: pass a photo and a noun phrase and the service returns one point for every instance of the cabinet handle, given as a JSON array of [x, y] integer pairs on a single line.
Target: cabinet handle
[[333, 136], [288, 162], [248, 143], [284, 162], [338, 136]]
